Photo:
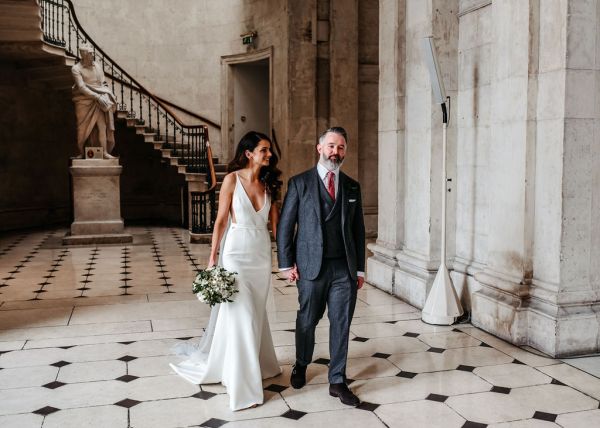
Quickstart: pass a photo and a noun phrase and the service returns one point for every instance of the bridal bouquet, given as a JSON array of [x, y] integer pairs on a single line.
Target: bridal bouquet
[[215, 285]]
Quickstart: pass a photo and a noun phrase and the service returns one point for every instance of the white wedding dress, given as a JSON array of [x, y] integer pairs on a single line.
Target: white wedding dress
[[237, 348]]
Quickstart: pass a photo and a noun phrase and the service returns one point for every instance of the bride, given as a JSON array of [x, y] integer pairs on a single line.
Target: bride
[[237, 348]]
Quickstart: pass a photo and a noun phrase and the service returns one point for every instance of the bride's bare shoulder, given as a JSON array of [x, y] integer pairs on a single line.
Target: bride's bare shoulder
[[229, 182]]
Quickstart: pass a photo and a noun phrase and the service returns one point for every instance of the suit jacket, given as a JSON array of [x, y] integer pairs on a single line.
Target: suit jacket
[[300, 229]]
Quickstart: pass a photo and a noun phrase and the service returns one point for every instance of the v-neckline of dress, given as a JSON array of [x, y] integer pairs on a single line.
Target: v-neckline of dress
[[248, 196]]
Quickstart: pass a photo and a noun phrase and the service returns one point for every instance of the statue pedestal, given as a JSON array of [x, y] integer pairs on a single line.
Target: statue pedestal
[[97, 203]]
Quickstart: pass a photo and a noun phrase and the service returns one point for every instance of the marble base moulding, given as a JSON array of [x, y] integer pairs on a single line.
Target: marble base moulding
[[536, 316], [96, 203], [520, 314], [401, 273]]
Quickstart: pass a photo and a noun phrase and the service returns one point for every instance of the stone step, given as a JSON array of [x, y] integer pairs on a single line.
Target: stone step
[[192, 176], [149, 137], [140, 128], [122, 114]]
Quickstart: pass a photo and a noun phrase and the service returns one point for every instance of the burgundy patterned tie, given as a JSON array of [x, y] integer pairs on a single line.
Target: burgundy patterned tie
[[331, 184]]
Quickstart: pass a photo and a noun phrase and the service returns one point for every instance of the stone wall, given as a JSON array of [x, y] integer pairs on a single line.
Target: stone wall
[[524, 144], [37, 134], [324, 66]]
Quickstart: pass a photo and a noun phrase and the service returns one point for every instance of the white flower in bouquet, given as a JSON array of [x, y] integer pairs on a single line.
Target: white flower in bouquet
[[215, 285]]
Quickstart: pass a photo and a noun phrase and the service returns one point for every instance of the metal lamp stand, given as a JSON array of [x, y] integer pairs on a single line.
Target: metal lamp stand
[[442, 306]]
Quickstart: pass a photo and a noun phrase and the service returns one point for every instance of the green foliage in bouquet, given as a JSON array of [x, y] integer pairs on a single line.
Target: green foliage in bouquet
[[215, 285]]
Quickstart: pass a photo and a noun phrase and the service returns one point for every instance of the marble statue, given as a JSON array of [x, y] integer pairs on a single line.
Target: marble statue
[[94, 104]]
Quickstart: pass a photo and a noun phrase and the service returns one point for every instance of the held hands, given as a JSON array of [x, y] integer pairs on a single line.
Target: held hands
[[360, 282], [291, 274]]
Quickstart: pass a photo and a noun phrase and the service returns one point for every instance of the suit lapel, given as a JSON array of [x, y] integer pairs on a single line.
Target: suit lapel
[[313, 189]]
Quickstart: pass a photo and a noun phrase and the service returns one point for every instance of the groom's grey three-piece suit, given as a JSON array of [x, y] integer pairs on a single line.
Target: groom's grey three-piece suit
[[326, 241]]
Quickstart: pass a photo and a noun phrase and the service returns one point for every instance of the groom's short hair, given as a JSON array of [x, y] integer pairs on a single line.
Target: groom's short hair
[[336, 130]]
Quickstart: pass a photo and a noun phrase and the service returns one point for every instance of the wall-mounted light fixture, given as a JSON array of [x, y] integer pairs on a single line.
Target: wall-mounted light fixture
[[248, 38]]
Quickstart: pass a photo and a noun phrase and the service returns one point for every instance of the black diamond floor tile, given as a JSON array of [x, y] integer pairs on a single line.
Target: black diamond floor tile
[[204, 395], [44, 411], [360, 339], [437, 397], [408, 375], [127, 343], [436, 350], [515, 361], [365, 405], [213, 423], [127, 358], [557, 382], [60, 363], [276, 388], [184, 338], [323, 361], [500, 390], [465, 368], [469, 424], [67, 347], [126, 378], [127, 403], [381, 355], [485, 345], [543, 416], [409, 334], [293, 414], [54, 385]]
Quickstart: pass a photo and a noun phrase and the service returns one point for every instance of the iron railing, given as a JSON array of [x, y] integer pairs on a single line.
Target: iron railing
[[188, 143], [204, 204]]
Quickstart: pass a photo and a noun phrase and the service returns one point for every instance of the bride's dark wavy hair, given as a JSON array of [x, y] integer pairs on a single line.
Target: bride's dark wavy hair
[[269, 175]]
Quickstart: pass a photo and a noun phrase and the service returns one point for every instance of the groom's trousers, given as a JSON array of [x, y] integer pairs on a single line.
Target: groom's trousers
[[335, 289]]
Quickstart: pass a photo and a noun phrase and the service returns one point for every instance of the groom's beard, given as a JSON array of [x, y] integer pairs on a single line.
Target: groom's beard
[[332, 162]]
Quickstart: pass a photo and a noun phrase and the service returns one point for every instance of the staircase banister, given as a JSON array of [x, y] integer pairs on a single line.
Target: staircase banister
[[191, 113], [211, 167], [164, 104]]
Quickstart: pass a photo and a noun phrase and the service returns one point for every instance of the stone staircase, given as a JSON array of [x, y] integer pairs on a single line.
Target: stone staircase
[[158, 141], [40, 37]]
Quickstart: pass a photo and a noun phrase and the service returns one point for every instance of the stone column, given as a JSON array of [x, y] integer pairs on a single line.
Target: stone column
[[343, 100], [390, 231], [505, 279], [300, 153], [564, 306]]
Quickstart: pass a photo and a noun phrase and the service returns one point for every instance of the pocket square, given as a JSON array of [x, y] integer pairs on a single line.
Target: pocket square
[[351, 200]]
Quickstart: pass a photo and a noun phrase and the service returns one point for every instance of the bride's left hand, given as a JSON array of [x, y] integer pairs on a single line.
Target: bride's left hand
[[211, 262]]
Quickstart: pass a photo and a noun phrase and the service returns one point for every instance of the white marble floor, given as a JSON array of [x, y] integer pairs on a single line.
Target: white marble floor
[[86, 336]]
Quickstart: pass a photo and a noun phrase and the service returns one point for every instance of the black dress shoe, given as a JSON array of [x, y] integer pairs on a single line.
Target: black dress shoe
[[298, 378], [346, 396]]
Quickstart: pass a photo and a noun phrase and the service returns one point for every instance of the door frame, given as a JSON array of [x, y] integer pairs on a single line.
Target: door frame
[[227, 99]]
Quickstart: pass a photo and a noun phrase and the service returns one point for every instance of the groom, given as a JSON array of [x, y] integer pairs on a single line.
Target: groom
[[321, 245]]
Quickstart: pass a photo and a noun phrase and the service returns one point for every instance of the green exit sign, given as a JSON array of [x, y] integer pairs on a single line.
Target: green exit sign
[[248, 38]]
